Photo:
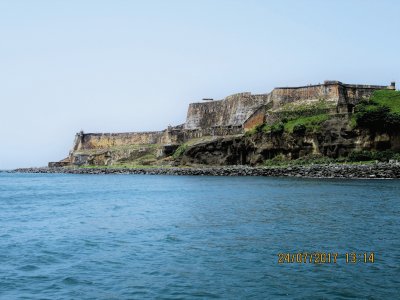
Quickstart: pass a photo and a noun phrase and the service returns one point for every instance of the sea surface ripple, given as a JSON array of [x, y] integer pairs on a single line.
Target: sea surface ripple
[[195, 237]]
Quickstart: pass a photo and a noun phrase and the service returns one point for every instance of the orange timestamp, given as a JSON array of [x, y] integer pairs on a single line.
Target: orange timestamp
[[326, 257]]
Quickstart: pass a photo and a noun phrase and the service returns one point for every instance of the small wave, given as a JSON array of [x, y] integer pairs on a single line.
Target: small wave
[[74, 281], [89, 243], [28, 268], [70, 281], [172, 238]]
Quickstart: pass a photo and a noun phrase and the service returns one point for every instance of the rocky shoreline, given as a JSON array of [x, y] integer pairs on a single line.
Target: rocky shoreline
[[370, 171]]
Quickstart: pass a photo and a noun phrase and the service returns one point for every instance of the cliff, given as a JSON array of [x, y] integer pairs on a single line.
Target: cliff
[[289, 122], [335, 140]]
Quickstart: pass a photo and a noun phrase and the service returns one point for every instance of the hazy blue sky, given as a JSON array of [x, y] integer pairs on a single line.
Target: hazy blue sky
[[110, 66]]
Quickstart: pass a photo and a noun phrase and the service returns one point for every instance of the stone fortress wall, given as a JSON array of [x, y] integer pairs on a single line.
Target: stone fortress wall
[[283, 95], [343, 95], [245, 110], [233, 115], [233, 111], [98, 148], [92, 141], [213, 118]]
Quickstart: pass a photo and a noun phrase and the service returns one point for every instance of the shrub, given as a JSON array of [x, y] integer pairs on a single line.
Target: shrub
[[279, 157], [372, 117], [266, 128], [277, 128], [388, 98], [179, 152], [250, 132], [384, 156], [381, 113], [311, 123], [314, 159], [299, 129], [277, 160], [255, 129], [260, 127], [363, 155]]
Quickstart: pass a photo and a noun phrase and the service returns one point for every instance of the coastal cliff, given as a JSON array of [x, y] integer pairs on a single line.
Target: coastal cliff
[[331, 121]]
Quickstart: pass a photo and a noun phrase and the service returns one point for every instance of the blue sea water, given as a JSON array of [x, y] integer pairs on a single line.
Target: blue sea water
[[187, 237]]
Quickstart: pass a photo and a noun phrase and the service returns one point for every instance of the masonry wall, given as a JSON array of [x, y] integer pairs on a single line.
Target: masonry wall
[[282, 96], [215, 131], [88, 141], [257, 118], [354, 93], [232, 111], [340, 93]]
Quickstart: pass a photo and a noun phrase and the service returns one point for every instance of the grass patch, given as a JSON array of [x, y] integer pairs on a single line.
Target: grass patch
[[306, 161], [252, 131], [297, 125], [179, 152], [389, 98], [311, 123], [381, 113], [353, 121], [296, 110], [365, 155], [280, 160], [354, 158]]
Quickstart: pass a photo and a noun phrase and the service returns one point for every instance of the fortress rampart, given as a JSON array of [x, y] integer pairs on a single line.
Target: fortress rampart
[[234, 110], [282, 96], [343, 95], [233, 115], [239, 109], [91, 141]]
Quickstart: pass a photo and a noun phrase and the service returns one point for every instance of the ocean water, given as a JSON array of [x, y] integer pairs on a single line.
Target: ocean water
[[182, 237]]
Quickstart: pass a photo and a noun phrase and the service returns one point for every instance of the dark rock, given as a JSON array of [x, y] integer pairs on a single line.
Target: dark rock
[[379, 170]]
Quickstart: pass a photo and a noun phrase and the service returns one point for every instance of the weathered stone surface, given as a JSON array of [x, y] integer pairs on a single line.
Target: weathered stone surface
[[336, 139], [345, 96], [234, 110], [89, 141], [57, 164]]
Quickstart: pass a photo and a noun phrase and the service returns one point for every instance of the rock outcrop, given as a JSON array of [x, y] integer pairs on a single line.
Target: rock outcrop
[[336, 139], [367, 171]]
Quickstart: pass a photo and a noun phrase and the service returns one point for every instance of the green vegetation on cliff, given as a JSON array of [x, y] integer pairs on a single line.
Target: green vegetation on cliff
[[300, 133], [305, 108], [389, 98], [297, 117], [363, 156], [297, 125], [179, 152], [311, 123], [381, 113]]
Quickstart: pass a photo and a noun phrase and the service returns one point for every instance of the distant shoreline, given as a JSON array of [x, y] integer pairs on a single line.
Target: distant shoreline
[[370, 171]]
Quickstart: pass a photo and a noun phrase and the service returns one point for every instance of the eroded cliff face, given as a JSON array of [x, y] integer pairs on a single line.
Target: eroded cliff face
[[335, 139]]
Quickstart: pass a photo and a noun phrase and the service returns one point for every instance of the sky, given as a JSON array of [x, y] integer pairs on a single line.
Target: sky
[[121, 66]]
